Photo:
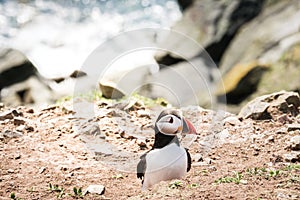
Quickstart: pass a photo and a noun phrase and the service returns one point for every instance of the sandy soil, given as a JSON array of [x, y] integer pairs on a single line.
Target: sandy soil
[[232, 158]]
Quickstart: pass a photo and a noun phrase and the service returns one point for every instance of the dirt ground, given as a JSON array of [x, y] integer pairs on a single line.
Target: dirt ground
[[47, 152]]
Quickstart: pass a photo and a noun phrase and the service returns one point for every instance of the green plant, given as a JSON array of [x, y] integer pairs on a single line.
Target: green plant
[[118, 176], [273, 173], [237, 178], [56, 188], [194, 185], [78, 192], [292, 167], [175, 184]]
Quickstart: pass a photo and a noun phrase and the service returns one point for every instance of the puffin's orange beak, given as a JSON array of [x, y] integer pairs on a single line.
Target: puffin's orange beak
[[190, 126]]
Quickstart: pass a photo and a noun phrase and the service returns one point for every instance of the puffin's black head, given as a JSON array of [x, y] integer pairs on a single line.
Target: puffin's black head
[[169, 123]]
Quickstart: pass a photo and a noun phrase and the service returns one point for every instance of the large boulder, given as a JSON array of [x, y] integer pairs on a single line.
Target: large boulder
[[212, 24], [275, 30], [274, 43], [20, 82]]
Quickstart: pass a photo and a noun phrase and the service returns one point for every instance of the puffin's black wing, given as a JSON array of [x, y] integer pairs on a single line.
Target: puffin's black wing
[[141, 167], [189, 159]]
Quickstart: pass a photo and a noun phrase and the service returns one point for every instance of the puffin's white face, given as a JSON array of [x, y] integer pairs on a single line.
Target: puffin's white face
[[169, 125]]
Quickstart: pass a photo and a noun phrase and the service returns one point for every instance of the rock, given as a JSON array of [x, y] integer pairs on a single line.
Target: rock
[[42, 170], [240, 81], [184, 4], [197, 157], [293, 127], [10, 114], [141, 143], [21, 128], [91, 129], [143, 113], [270, 139], [293, 157], [11, 134], [21, 80], [95, 189], [19, 121], [110, 91], [6, 115], [284, 119], [274, 18], [223, 136], [268, 106], [207, 160], [255, 110], [30, 91], [212, 24], [183, 84], [123, 80], [295, 143], [266, 48], [77, 74], [233, 120], [282, 131]]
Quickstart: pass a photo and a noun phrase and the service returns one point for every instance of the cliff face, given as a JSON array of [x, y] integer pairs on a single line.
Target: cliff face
[[252, 43], [46, 152]]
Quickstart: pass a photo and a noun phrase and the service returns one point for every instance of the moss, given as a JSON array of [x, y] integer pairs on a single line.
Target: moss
[[96, 95]]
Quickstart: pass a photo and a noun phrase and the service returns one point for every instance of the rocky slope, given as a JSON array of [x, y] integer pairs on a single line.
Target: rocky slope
[[59, 151]]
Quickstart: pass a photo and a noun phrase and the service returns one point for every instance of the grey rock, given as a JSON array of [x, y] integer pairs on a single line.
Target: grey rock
[[224, 136], [143, 113], [273, 19], [95, 189], [233, 120], [255, 109], [183, 84], [6, 115], [197, 157], [266, 47], [270, 139], [20, 82], [268, 106], [210, 23], [293, 156], [282, 131], [91, 129], [295, 143], [293, 127], [11, 134]]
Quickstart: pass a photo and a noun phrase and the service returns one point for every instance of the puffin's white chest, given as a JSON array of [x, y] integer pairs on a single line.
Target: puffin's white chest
[[164, 164]]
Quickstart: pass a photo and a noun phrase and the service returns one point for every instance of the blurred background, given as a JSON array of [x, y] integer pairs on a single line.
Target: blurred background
[[254, 47]]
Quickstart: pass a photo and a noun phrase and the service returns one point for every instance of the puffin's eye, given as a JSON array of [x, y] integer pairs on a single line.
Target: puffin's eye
[[171, 120]]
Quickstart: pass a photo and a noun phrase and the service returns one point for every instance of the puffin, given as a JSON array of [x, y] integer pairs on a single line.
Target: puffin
[[166, 160]]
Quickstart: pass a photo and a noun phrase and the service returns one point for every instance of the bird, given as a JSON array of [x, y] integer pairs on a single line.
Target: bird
[[166, 160]]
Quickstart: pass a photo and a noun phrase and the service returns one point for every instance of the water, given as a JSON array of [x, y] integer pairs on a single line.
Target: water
[[57, 36]]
